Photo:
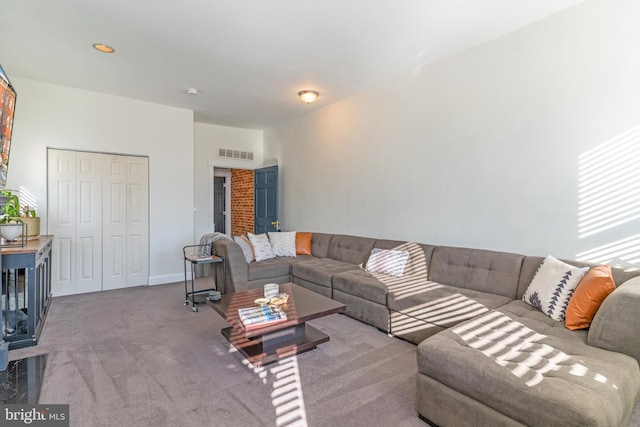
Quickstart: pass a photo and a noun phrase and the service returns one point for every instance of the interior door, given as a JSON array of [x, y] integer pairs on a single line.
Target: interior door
[[137, 221], [61, 217], [75, 220], [88, 222], [266, 199], [114, 214], [219, 203]]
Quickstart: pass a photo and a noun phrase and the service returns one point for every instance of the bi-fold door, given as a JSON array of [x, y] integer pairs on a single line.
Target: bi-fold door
[[98, 213]]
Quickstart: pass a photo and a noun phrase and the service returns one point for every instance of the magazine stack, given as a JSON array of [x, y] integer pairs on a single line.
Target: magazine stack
[[261, 316]]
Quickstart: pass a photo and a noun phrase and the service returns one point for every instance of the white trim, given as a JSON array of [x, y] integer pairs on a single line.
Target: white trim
[[227, 201], [226, 172], [212, 169], [166, 278]]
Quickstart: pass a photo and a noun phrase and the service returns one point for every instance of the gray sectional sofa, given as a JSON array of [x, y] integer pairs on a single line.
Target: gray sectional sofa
[[485, 358]]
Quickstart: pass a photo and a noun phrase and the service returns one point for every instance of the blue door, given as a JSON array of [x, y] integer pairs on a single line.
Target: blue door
[[266, 200]]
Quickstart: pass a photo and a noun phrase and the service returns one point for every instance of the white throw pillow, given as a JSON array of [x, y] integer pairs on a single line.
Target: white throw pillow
[[283, 243], [261, 246], [552, 287], [387, 261], [245, 245]]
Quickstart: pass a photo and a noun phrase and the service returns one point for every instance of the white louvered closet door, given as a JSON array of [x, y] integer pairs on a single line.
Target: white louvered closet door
[[89, 214]]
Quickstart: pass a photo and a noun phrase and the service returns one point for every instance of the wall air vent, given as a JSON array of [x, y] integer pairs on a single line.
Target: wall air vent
[[235, 154]]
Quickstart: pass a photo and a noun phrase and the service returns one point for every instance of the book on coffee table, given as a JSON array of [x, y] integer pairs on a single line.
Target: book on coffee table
[[261, 316]]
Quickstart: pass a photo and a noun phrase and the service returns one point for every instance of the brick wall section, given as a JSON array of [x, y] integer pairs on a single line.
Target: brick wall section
[[242, 185]]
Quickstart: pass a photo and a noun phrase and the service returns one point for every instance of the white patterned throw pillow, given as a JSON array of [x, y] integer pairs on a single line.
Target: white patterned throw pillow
[[387, 261], [245, 245], [261, 246], [283, 243], [552, 287]]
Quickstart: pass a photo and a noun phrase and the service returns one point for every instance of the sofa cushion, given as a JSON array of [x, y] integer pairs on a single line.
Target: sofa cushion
[[320, 270], [387, 261], [588, 297], [351, 249], [523, 364], [388, 244], [320, 244], [362, 284], [261, 246], [283, 243], [617, 321], [478, 269], [419, 255], [552, 287], [296, 259], [267, 269], [247, 249], [303, 243], [531, 263], [375, 286], [440, 304]]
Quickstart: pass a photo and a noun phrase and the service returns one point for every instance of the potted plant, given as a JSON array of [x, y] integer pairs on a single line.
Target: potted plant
[[13, 217], [11, 225]]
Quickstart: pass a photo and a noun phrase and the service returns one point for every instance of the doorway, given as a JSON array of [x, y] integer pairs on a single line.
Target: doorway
[[219, 204], [266, 200], [221, 200], [232, 201]]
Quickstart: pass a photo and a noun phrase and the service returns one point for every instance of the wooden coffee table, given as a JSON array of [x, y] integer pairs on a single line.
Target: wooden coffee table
[[261, 346]]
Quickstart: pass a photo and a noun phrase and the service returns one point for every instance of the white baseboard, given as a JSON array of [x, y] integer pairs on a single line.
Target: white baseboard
[[168, 278]]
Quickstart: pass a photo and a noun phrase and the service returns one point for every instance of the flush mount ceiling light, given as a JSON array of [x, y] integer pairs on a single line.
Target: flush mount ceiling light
[[308, 96], [104, 48], [192, 91]]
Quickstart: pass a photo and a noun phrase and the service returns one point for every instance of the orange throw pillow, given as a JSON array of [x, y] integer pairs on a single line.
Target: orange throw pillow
[[303, 243], [586, 300]]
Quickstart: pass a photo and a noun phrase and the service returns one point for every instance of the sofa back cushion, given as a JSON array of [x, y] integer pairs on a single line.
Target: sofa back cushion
[[477, 269], [531, 263], [351, 249], [388, 244], [320, 244], [615, 325], [419, 254]]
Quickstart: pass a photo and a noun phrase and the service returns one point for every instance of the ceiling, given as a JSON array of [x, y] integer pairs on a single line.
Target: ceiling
[[247, 58]]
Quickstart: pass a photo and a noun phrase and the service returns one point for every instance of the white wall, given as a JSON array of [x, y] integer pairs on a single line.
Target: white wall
[[55, 116], [207, 139], [482, 149]]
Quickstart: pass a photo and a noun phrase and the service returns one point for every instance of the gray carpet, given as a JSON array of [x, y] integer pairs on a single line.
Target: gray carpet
[[139, 357]]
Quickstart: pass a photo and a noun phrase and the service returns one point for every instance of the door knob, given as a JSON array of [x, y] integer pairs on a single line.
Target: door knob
[[276, 224]]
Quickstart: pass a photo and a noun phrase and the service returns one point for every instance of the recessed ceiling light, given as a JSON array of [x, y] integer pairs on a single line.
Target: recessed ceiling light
[[103, 48]]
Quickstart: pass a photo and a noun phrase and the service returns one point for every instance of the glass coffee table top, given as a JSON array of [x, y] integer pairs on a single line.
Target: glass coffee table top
[[265, 345], [22, 380]]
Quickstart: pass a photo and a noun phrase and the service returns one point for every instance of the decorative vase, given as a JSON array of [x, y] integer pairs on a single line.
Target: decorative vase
[[10, 232]]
